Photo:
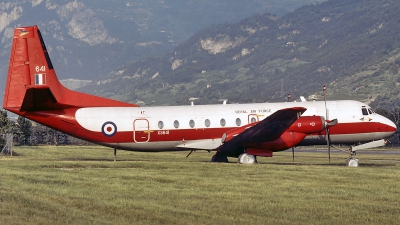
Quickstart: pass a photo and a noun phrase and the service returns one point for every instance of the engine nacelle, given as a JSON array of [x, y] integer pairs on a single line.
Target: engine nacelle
[[308, 125], [304, 125]]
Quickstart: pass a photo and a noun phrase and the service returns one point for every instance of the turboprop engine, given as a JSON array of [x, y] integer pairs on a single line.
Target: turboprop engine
[[305, 125], [308, 125]]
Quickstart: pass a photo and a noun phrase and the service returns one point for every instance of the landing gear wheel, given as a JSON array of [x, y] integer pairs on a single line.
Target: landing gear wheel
[[247, 159], [352, 162], [218, 157]]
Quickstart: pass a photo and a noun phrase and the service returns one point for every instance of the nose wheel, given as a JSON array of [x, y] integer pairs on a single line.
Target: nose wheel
[[352, 161]]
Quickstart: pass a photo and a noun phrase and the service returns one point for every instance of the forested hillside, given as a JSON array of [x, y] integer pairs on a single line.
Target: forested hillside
[[351, 46], [88, 38]]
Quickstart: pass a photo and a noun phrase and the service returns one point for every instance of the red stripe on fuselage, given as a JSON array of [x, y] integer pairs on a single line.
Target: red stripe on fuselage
[[211, 133]]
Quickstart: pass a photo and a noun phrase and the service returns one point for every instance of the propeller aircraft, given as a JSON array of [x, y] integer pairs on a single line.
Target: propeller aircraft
[[243, 131]]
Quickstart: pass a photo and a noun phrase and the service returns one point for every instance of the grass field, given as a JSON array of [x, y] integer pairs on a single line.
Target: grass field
[[83, 185]]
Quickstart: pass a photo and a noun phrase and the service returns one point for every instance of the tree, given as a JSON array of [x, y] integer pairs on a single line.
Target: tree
[[3, 124], [24, 130]]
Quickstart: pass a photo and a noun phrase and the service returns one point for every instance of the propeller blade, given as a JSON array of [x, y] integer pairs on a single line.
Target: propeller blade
[[331, 123], [293, 153], [328, 141], [327, 124]]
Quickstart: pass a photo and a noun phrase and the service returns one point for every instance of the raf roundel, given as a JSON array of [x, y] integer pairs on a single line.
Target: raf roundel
[[109, 129]]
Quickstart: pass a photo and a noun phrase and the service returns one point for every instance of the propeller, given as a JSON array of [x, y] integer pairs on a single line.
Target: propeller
[[328, 136], [298, 116], [328, 125]]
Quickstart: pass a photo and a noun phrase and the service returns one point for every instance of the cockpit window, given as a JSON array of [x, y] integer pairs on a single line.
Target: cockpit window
[[372, 111], [369, 111], [364, 111]]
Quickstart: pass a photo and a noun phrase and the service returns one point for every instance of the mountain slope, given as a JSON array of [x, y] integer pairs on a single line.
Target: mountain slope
[[89, 38], [351, 46]]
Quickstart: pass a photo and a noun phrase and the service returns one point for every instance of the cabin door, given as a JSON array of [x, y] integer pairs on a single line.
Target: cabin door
[[253, 118], [141, 131]]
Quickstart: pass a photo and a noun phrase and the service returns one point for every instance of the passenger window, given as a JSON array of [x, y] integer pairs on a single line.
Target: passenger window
[[222, 122], [238, 122], [253, 120], [364, 111], [191, 123], [207, 123], [176, 123], [160, 124]]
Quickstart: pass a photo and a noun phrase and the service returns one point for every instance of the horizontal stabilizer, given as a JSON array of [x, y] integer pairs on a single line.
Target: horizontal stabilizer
[[39, 98]]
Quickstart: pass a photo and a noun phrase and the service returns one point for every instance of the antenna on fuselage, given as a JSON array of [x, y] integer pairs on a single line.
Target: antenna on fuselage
[[223, 101], [191, 99]]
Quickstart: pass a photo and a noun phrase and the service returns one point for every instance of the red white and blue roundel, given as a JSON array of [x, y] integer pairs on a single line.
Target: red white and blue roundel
[[109, 129]]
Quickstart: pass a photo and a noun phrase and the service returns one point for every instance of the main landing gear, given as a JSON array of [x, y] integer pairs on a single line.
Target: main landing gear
[[243, 158], [218, 157]]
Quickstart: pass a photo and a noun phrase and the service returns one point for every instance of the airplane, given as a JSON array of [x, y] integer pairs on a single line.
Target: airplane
[[244, 131]]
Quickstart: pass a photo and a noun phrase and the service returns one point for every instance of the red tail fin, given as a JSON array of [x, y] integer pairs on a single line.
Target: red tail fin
[[32, 83]]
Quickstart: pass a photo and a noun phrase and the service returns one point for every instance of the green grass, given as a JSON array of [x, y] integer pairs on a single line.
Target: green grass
[[83, 185]]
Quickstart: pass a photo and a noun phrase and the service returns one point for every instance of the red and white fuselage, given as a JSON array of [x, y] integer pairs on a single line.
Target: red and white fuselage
[[202, 126], [33, 91]]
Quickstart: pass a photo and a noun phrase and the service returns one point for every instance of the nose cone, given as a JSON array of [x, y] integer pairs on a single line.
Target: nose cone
[[389, 126]]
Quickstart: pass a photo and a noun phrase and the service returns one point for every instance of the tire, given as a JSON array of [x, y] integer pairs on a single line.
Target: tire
[[247, 159]]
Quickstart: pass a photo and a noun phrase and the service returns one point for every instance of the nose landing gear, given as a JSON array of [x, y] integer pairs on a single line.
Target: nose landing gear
[[351, 161]]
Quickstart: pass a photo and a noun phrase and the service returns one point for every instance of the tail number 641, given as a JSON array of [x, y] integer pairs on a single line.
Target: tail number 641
[[40, 69]]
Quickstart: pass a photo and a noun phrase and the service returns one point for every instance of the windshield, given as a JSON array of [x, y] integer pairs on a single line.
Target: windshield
[[366, 111]]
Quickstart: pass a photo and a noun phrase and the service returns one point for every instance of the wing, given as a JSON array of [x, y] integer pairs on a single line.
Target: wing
[[266, 130]]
